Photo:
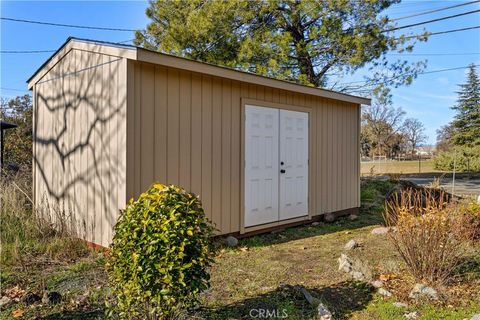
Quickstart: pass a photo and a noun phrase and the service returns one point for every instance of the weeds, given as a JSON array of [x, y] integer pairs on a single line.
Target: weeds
[[424, 236], [26, 233]]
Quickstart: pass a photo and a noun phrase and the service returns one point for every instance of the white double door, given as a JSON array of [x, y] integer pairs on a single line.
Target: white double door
[[276, 165]]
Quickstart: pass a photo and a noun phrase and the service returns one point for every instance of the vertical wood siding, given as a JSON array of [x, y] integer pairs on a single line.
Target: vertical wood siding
[[80, 141], [185, 128]]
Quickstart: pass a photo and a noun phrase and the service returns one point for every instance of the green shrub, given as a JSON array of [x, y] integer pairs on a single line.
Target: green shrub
[[466, 160], [160, 254]]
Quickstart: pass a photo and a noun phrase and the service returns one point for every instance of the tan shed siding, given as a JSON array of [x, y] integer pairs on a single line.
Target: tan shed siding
[[197, 140], [80, 141]]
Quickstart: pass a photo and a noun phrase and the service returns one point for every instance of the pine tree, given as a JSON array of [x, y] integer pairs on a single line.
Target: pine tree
[[467, 119], [303, 41]]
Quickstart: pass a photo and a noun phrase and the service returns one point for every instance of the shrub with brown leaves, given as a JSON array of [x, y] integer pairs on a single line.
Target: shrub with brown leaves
[[424, 237]]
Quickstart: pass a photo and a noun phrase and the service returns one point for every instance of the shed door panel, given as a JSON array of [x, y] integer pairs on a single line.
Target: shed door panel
[[261, 165], [293, 164]]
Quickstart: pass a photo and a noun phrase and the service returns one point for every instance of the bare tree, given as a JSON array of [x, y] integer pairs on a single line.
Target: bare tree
[[444, 137], [381, 122], [414, 132]]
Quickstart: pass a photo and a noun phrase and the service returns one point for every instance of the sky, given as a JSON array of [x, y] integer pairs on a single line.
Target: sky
[[428, 99]]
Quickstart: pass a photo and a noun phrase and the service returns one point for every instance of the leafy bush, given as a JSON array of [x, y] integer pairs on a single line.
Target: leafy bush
[[466, 160], [423, 235], [160, 254]]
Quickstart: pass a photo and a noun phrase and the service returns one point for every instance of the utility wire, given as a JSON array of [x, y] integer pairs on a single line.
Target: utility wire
[[435, 54], [428, 34], [407, 37], [26, 51], [430, 21], [66, 25], [45, 51], [435, 10], [408, 73], [12, 89]]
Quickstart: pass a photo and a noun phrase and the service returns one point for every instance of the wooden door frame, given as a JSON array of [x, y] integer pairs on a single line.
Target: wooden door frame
[[311, 146]]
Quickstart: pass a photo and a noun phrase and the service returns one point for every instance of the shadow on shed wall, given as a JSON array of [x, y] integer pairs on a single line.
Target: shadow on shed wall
[[80, 142]]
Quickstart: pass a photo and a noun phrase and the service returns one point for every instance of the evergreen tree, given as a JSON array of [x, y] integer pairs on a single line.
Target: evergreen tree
[[466, 123], [303, 41]]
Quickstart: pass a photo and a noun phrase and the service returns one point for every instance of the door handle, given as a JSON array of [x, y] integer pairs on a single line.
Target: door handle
[[282, 171]]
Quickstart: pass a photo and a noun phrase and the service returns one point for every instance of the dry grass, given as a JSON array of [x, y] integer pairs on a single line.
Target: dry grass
[[426, 235], [26, 233], [396, 167]]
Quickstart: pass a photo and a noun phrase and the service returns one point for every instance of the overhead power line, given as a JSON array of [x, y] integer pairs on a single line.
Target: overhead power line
[[26, 51], [13, 89], [435, 10], [436, 54], [441, 32], [430, 21], [408, 73], [45, 51], [67, 25]]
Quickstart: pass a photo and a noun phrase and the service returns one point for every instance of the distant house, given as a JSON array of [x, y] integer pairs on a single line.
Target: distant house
[[261, 153]]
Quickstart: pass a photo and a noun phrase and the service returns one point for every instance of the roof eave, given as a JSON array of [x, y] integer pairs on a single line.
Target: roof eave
[[149, 56], [80, 44]]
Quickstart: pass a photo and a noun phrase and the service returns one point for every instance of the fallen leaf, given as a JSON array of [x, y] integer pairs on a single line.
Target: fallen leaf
[[14, 292], [387, 277], [17, 313]]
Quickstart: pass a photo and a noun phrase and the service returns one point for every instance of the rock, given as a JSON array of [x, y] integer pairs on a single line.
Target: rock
[[329, 217], [377, 284], [358, 275], [344, 263], [231, 241], [30, 298], [316, 223], [476, 316], [380, 230], [82, 300], [352, 244], [352, 217], [411, 315], [400, 305], [384, 292], [323, 312], [422, 291], [51, 297], [5, 302], [356, 268]]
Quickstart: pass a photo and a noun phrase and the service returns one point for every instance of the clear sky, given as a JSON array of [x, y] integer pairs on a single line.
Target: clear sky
[[429, 98]]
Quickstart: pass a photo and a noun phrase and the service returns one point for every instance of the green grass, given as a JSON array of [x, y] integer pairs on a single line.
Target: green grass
[[383, 309], [261, 274]]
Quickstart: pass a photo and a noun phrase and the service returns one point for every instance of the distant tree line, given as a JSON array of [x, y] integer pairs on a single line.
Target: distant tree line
[[385, 132], [458, 142]]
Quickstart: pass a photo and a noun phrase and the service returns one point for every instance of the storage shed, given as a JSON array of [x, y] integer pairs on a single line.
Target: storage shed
[[109, 120]]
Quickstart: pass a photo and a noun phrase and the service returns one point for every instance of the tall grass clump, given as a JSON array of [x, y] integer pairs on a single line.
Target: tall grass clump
[[26, 233], [424, 234]]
